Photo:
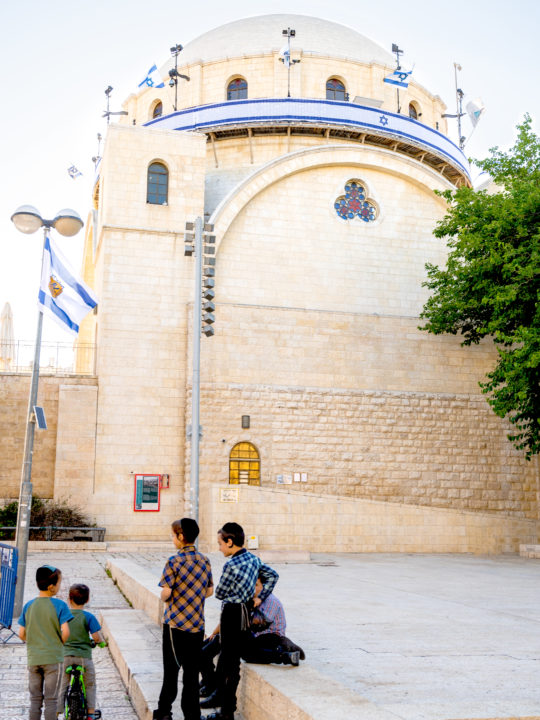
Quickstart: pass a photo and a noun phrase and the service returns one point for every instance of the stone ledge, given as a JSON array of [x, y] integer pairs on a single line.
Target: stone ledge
[[529, 551], [265, 692]]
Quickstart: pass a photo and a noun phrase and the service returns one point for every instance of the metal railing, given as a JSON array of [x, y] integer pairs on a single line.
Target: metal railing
[[57, 358], [37, 532]]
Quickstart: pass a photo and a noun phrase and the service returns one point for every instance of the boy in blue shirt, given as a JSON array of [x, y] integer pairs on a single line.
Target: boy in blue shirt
[[78, 649], [44, 627]]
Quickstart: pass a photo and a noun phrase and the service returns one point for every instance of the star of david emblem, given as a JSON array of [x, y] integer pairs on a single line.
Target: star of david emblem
[[383, 120], [355, 203]]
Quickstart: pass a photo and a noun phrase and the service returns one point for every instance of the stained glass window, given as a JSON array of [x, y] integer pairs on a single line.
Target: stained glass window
[[355, 203], [237, 89], [335, 90], [244, 465], [157, 185]]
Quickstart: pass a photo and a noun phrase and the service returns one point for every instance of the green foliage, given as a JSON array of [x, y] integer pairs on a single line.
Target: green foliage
[[44, 513], [491, 283]]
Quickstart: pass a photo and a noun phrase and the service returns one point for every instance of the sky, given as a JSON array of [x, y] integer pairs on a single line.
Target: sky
[[60, 55]]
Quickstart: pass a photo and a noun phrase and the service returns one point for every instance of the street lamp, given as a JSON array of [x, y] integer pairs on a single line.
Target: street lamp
[[28, 220]]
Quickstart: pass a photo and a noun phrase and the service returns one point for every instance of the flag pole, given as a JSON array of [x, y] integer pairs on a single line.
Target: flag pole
[[28, 220], [25, 494]]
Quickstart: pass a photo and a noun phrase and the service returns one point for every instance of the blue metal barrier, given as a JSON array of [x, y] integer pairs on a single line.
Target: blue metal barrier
[[8, 580]]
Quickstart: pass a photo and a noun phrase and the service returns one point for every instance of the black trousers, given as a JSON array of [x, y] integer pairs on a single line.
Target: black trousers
[[181, 649], [210, 649], [233, 637], [265, 648]]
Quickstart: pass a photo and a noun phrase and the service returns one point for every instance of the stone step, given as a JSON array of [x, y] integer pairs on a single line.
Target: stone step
[[266, 692]]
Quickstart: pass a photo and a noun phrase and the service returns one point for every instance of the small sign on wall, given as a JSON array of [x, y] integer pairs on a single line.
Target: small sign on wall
[[146, 493], [228, 495]]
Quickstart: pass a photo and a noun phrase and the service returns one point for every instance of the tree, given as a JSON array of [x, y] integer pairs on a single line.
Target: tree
[[491, 283]]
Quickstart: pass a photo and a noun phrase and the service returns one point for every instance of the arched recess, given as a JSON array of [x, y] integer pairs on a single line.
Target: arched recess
[[244, 464], [414, 110], [336, 89], [157, 183], [156, 109], [237, 88], [326, 155]]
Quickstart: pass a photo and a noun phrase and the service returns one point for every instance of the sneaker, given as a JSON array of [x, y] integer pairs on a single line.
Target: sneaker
[[220, 715], [291, 658], [95, 715], [212, 701]]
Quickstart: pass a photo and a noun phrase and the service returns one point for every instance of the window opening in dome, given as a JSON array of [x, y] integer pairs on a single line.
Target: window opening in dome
[[354, 204], [244, 465], [157, 184], [158, 110], [237, 89], [335, 90], [413, 111]]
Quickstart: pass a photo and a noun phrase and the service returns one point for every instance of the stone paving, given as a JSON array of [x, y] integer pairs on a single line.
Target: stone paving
[[424, 637], [84, 567]]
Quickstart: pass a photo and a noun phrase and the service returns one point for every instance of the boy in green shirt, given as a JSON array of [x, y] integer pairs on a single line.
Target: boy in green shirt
[[78, 649], [44, 627]]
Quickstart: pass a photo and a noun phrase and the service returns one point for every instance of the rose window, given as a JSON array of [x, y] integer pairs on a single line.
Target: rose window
[[355, 203]]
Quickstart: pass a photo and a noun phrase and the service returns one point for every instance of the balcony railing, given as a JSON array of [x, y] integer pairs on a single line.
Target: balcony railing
[[56, 358]]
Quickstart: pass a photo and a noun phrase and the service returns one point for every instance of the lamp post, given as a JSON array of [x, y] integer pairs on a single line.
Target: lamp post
[[27, 219]]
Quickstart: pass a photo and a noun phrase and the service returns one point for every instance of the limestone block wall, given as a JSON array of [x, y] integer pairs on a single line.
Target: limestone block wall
[[76, 444], [283, 519], [55, 394], [419, 448], [143, 282], [306, 256]]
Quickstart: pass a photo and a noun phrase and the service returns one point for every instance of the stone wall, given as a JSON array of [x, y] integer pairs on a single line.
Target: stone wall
[[430, 449], [283, 520], [14, 390]]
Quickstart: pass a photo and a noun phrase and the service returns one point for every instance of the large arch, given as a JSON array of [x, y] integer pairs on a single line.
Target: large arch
[[358, 157]]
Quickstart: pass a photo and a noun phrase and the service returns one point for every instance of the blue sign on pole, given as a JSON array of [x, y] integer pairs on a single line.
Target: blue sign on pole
[[8, 581]]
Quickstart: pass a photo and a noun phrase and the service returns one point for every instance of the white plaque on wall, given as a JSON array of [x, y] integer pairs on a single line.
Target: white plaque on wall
[[229, 495]]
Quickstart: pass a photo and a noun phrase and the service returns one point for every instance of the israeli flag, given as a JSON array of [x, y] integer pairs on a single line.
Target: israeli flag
[[285, 56], [74, 172], [152, 79], [399, 78], [475, 108], [62, 296]]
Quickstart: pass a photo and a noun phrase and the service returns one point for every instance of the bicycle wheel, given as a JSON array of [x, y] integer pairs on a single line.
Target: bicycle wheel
[[75, 701], [76, 706]]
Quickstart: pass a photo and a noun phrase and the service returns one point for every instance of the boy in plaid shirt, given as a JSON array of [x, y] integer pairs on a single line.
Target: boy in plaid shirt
[[186, 583], [236, 589]]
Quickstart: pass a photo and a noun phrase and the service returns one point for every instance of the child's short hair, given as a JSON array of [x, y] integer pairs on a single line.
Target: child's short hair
[[233, 531], [188, 527], [47, 575], [79, 594]]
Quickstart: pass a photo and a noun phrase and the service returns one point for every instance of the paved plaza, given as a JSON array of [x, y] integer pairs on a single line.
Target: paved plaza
[[434, 637]]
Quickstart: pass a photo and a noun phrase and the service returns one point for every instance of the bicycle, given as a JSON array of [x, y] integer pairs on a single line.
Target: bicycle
[[75, 706]]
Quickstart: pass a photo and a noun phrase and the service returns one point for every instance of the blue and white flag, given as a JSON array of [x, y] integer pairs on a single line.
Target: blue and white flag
[[73, 172], [152, 79], [475, 108], [62, 296], [399, 78], [285, 56]]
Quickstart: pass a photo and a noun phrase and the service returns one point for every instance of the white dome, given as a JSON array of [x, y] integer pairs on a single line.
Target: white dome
[[263, 34]]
